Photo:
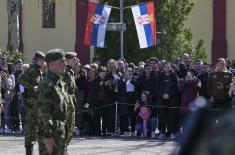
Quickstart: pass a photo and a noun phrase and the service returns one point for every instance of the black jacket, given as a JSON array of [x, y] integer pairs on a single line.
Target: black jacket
[[99, 93], [203, 89], [124, 97], [149, 85], [171, 88]]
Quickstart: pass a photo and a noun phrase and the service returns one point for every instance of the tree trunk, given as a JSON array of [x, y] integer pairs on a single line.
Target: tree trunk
[[13, 9]]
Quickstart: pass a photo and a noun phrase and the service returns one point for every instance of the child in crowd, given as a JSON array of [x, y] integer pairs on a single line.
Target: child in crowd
[[144, 122]]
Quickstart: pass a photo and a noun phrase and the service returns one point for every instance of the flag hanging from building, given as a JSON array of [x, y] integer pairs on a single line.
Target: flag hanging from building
[[144, 16], [98, 17]]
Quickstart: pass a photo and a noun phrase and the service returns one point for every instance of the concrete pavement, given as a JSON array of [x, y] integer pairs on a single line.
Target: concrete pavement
[[14, 145]]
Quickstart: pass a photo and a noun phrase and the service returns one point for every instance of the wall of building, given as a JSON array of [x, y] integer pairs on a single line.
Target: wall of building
[[201, 22], [3, 24], [231, 28], [37, 38]]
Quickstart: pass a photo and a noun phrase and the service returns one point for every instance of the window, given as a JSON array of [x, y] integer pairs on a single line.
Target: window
[[48, 13]]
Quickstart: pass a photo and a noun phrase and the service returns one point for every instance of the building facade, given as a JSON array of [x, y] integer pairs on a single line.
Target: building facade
[[68, 34], [211, 20]]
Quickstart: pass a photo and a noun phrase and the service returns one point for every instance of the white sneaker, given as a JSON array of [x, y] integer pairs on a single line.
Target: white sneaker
[[162, 136], [172, 136], [153, 135], [77, 132], [9, 131], [1, 130]]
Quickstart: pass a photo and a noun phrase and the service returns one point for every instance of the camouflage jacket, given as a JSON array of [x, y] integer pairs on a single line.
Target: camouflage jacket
[[30, 80], [52, 107], [69, 79], [1, 94]]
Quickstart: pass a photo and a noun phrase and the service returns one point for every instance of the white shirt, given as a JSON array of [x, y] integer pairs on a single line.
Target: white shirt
[[116, 78], [11, 81], [129, 87]]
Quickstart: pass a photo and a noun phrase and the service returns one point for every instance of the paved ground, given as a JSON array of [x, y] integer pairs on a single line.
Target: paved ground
[[14, 145]]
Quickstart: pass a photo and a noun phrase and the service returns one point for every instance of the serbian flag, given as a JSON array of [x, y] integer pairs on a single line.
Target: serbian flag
[[98, 17], [144, 16]]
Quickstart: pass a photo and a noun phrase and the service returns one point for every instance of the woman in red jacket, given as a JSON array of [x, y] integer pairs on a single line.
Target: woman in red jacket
[[189, 89]]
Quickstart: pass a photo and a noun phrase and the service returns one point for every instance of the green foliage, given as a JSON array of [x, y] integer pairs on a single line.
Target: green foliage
[[233, 63], [200, 51], [174, 40], [14, 55]]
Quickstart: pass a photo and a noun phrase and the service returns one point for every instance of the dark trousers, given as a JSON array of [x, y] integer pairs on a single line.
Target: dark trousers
[[129, 113], [100, 114], [124, 121], [219, 108], [2, 120], [80, 97], [132, 116], [131, 100], [15, 114], [167, 117], [111, 114]]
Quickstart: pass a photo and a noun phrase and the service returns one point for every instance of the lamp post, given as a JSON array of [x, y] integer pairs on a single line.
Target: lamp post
[[121, 31]]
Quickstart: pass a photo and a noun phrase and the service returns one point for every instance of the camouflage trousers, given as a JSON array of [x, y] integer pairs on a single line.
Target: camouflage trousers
[[71, 118], [58, 148], [71, 125], [31, 125]]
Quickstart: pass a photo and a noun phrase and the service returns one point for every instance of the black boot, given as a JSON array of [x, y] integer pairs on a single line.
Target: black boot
[[29, 150]]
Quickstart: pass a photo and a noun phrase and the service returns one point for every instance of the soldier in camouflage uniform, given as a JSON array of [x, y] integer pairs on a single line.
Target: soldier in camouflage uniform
[[30, 80], [52, 106], [1, 106], [69, 79]]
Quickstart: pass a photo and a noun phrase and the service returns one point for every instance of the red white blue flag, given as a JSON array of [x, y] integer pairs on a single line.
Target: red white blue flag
[[145, 22], [98, 17]]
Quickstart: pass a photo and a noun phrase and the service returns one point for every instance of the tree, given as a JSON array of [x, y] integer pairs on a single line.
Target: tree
[[12, 56], [174, 40], [200, 51], [13, 9]]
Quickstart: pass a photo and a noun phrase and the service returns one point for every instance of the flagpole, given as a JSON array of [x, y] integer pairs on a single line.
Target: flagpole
[[121, 32]]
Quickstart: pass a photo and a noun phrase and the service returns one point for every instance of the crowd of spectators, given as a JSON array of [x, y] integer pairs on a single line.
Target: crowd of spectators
[[153, 97]]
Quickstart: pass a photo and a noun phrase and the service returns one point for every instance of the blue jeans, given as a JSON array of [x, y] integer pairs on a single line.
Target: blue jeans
[[152, 122], [139, 127], [7, 114]]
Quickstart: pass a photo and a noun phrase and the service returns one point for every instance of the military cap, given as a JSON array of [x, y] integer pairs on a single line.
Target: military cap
[[39, 54], [54, 55], [70, 55]]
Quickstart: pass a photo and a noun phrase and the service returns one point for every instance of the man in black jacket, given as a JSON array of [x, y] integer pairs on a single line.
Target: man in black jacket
[[98, 99], [204, 78], [128, 92], [17, 102], [167, 97]]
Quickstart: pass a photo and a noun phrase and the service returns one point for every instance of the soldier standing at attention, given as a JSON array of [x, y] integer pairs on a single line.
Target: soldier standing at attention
[[52, 106], [69, 79], [30, 80], [1, 106]]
